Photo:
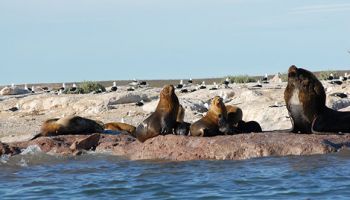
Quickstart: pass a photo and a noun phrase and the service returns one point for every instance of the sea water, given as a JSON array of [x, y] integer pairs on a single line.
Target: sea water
[[99, 176]]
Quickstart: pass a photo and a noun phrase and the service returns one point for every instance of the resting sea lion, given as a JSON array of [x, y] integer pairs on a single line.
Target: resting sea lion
[[305, 98], [119, 126], [69, 125], [248, 127], [306, 103], [234, 114], [182, 128], [163, 120], [214, 122]]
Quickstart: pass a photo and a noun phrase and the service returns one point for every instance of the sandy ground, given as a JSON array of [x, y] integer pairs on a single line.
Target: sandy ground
[[265, 105]]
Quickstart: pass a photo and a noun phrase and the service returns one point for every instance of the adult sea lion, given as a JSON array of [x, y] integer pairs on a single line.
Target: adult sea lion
[[305, 98], [214, 122], [306, 103], [163, 120], [69, 125]]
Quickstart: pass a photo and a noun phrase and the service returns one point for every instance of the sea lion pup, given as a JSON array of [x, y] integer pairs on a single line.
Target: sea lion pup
[[234, 117], [119, 126], [163, 120], [69, 125], [234, 114], [182, 128], [305, 98], [248, 127], [214, 122]]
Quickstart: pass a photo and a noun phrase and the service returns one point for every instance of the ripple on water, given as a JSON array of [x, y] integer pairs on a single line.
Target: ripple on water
[[106, 177]]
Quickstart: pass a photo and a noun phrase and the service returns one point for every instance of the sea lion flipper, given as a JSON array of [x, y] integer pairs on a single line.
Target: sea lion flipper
[[36, 136]]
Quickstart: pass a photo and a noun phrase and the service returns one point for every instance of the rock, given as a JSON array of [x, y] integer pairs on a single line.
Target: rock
[[180, 148], [6, 149], [13, 91], [339, 104], [86, 143], [128, 98]]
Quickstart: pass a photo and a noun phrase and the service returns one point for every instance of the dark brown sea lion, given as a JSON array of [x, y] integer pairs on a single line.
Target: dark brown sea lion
[[234, 114], [182, 127], [163, 120], [69, 125], [248, 127], [305, 98], [306, 103], [119, 126], [214, 122]]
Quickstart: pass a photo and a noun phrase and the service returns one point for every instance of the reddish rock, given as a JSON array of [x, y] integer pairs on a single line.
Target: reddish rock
[[87, 143], [180, 148]]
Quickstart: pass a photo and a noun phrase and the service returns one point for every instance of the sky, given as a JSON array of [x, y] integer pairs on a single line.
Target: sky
[[76, 40]]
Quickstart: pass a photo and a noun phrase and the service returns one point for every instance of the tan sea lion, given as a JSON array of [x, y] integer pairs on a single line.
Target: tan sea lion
[[214, 122], [163, 120], [306, 103], [182, 127], [119, 126], [69, 125]]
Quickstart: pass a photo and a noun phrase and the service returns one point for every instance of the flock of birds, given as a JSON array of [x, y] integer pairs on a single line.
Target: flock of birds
[[182, 87]]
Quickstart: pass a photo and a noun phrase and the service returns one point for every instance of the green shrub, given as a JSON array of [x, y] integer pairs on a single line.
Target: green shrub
[[241, 79], [87, 87]]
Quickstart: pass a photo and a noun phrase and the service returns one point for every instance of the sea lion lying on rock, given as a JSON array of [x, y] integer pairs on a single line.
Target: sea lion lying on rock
[[119, 126], [214, 122], [235, 115], [70, 125], [306, 103], [163, 120]]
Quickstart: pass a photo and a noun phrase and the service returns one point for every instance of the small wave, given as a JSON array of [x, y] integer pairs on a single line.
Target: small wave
[[23, 163], [4, 159], [30, 150]]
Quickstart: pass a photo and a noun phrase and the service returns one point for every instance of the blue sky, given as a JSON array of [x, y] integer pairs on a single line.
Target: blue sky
[[75, 40]]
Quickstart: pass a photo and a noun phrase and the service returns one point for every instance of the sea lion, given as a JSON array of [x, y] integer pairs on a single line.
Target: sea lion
[[119, 126], [248, 127], [163, 120], [214, 122], [182, 127], [305, 98], [306, 103], [69, 125], [234, 114]]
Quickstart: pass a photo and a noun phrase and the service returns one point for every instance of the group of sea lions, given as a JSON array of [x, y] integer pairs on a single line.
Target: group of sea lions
[[304, 95]]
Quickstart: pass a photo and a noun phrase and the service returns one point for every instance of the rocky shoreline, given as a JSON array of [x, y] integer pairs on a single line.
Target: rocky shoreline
[[183, 148]]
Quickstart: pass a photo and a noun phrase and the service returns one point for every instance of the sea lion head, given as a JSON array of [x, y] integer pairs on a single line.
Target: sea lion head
[[168, 99], [301, 78], [218, 108]]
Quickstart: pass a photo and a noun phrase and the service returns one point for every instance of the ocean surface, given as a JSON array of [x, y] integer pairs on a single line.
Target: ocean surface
[[35, 175]]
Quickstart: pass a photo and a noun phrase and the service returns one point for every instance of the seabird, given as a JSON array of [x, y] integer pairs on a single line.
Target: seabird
[[114, 87], [130, 89], [73, 88], [339, 94], [215, 86], [337, 82], [258, 84], [180, 85], [202, 86], [330, 77], [190, 81], [184, 90], [264, 80], [226, 82], [140, 103]]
